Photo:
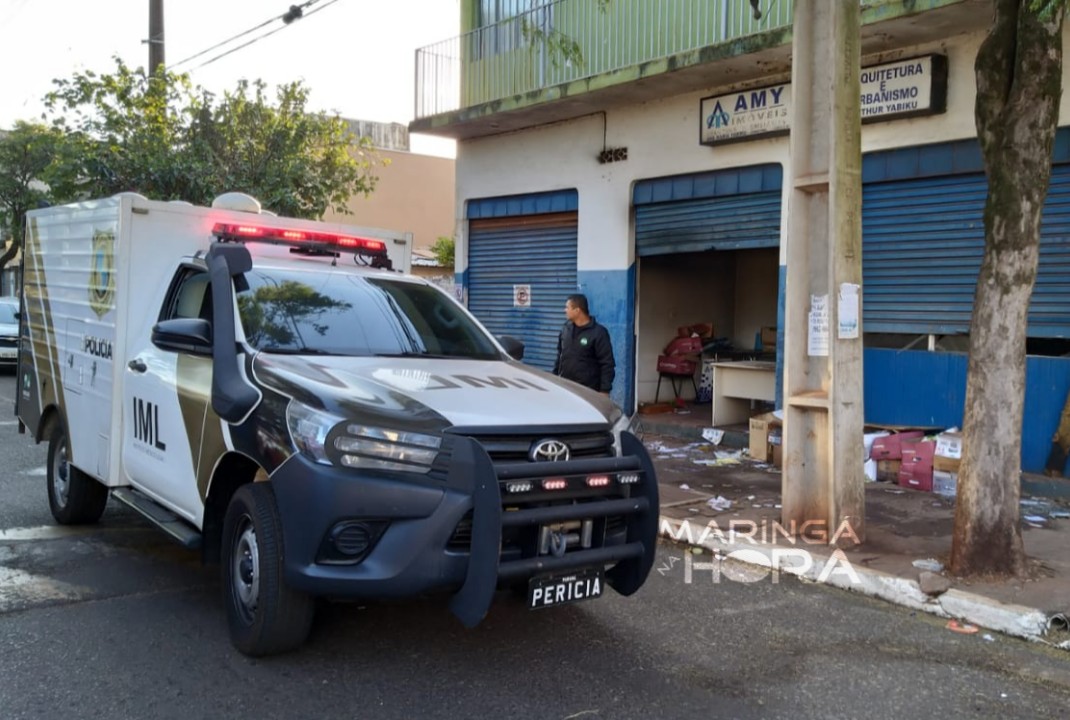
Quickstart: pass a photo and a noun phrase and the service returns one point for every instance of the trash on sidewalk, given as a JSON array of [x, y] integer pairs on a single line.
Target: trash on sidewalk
[[929, 564], [685, 486], [1034, 519], [721, 457], [714, 435], [719, 503], [964, 628]]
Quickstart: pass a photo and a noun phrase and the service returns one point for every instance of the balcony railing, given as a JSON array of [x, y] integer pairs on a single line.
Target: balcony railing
[[567, 40]]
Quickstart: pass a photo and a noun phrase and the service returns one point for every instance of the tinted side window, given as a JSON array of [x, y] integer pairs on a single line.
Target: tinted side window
[[190, 297]]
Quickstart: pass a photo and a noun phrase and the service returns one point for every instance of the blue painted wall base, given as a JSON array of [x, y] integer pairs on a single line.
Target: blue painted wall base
[[906, 387]]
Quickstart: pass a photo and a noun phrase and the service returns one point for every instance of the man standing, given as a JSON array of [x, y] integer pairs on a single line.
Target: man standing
[[584, 350]]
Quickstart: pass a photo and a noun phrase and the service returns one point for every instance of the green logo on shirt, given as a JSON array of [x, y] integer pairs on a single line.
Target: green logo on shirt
[[583, 341]]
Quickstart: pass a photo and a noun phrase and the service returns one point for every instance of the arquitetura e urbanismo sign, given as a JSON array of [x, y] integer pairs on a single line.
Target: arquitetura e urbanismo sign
[[906, 88]]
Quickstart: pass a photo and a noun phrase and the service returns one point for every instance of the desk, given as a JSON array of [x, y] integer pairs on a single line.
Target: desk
[[735, 384]]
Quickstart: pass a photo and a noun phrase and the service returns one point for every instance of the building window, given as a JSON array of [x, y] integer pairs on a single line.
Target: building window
[[506, 25]]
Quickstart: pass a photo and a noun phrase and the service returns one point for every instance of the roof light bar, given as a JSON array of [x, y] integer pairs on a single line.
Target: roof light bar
[[298, 238]]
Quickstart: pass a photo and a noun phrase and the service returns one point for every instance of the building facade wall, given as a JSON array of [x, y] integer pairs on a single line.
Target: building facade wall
[[661, 138], [415, 193]]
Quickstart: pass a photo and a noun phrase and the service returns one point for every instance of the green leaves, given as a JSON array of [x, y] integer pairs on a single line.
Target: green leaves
[[444, 251], [168, 140]]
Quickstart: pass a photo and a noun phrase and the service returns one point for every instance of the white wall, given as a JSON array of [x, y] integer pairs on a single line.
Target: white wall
[[662, 139]]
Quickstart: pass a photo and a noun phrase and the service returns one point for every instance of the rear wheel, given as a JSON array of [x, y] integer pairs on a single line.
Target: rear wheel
[[73, 497], [265, 616]]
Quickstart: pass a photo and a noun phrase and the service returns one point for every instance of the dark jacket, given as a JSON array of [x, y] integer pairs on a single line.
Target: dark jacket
[[585, 355]]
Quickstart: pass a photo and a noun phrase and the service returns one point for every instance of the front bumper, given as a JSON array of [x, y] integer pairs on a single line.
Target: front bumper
[[414, 553]]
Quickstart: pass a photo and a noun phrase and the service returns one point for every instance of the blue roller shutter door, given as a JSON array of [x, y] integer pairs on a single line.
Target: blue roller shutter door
[[737, 209], [923, 242], [537, 250]]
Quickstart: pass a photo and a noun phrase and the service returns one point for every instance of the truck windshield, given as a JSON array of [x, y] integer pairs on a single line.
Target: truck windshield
[[334, 313]]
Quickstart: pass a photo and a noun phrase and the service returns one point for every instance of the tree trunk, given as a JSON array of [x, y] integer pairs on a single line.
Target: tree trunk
[[1019, 84]]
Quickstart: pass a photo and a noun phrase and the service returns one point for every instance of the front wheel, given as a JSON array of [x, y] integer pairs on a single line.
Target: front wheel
[[73, 497], [265, 615]]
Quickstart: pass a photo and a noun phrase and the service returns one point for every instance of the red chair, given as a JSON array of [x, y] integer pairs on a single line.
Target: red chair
[[676, 368]]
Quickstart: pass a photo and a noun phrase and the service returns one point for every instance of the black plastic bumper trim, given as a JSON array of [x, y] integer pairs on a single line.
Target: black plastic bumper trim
[[569, 561], [560, 513]]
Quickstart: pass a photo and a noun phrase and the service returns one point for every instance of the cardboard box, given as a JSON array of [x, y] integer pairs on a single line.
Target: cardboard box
[[916, 477], [949, 445], [889, 446], [888, 470], [945, 483], [946, 464], [768, 338], [918, 452], [760, 426]]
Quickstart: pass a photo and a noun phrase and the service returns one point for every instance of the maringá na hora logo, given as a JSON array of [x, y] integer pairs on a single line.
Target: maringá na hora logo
[[102, 274]]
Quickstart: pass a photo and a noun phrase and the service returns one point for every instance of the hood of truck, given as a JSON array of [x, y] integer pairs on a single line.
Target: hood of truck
[[434, 393]]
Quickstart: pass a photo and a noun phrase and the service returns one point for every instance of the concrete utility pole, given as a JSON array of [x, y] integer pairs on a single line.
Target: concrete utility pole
[[823, 481], [155, 41]]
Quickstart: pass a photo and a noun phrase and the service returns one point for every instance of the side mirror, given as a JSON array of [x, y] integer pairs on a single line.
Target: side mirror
[[188, 335], [514, 347]]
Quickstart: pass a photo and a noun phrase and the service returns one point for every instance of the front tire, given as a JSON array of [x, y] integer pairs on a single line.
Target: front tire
[[73, 497], [265, 615]]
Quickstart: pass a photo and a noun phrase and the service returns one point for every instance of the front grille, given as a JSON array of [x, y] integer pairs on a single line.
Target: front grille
[[515, 448]]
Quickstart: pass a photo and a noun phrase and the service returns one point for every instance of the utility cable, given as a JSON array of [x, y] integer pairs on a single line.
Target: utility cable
[[287, 17]]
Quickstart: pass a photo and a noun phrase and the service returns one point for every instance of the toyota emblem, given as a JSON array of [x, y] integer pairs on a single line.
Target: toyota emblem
[[549, 451]]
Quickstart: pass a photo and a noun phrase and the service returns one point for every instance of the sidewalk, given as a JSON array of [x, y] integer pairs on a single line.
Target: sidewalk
[[902, 526]]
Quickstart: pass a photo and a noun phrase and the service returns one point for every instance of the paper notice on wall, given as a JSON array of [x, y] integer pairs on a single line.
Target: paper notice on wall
[[817, 336], [847, 309]]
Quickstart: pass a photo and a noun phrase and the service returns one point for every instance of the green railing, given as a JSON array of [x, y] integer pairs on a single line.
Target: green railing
[[567, 40]]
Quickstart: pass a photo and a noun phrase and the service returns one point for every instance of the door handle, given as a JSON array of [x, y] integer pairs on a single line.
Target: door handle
[[137, 365]]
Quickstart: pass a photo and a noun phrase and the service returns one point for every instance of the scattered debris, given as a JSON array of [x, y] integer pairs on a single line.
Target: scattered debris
[[930, 564], [685, 486], [750, 497], [1033, 519], [714, 435], [964, 628], [932, 584], [1058, 621], [719, 503], [1060, 514], [988, 637]]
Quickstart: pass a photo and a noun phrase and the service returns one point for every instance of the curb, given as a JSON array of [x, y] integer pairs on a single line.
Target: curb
[[1014, 620]]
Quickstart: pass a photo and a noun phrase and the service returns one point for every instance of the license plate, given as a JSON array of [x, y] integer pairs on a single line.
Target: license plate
[[583, 584]]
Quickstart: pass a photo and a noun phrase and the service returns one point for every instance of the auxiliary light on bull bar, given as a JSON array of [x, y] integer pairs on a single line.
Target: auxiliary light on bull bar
[[597, 481], [300, 239]]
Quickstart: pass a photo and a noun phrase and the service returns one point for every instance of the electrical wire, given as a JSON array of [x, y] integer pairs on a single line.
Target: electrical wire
[[267, 22]]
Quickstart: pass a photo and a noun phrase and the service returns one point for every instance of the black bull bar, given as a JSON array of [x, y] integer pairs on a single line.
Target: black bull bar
[[473, 470]]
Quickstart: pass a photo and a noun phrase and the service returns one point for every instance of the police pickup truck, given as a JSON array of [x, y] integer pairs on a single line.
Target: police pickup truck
[[267, 390]]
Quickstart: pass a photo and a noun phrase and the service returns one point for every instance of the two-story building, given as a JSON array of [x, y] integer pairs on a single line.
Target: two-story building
[[635, 150]]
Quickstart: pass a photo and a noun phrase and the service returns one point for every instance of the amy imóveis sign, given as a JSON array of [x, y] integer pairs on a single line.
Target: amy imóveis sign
[[905, 88]]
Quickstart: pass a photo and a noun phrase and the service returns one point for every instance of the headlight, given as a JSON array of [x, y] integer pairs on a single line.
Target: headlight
[[377, 448], [309, 428]]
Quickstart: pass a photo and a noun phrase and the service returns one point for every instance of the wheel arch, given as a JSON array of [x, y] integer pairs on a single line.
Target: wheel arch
[[231, 472]]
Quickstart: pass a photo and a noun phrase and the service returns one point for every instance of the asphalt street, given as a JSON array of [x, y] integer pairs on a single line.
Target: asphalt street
[[116, 621]]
